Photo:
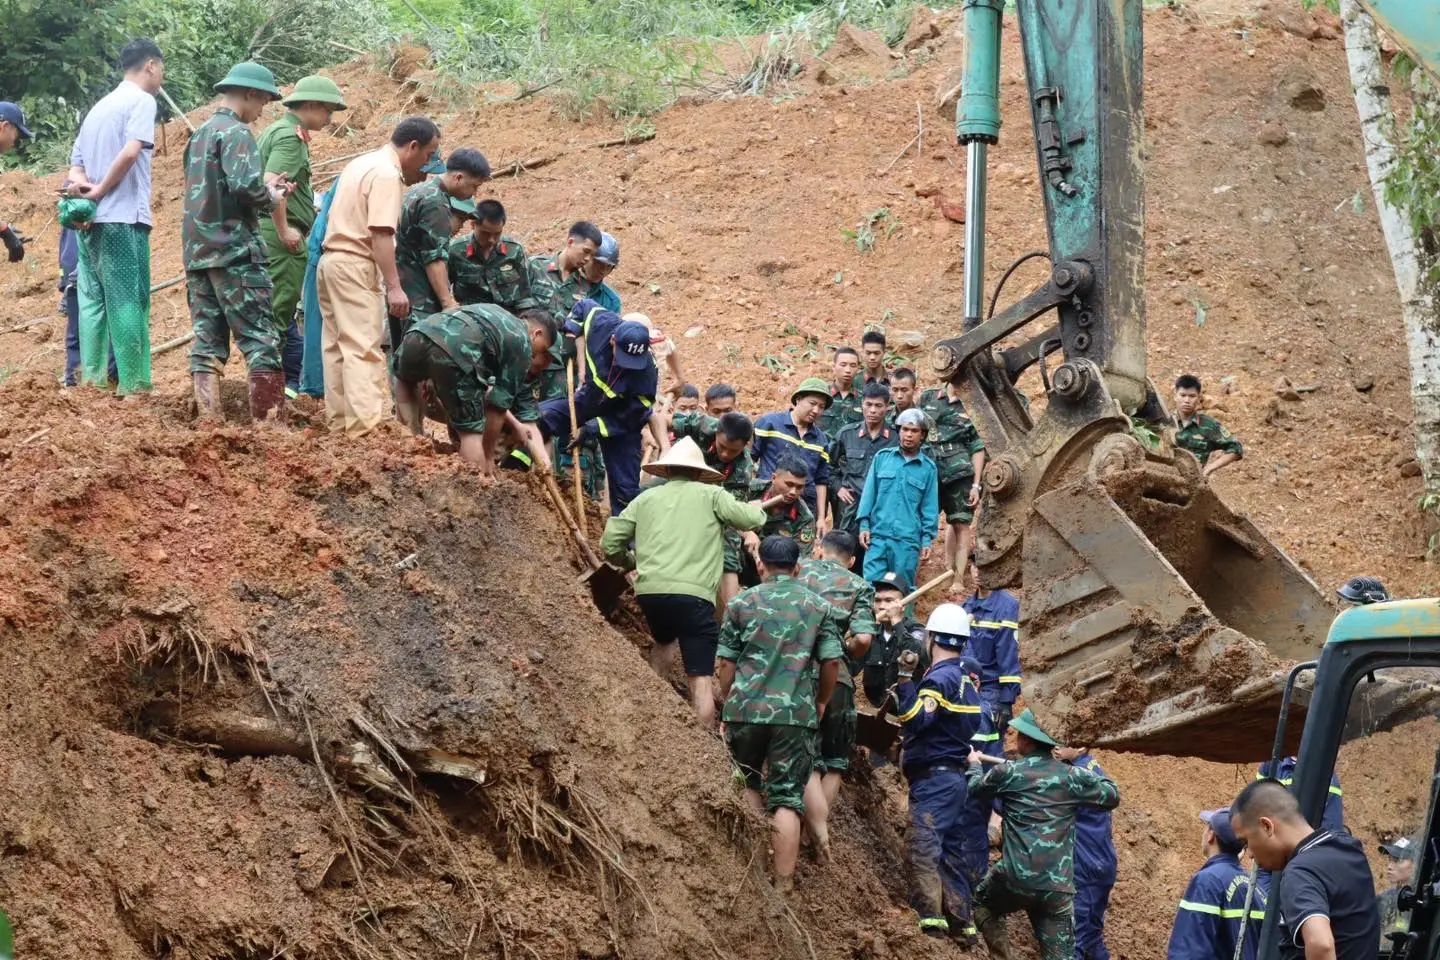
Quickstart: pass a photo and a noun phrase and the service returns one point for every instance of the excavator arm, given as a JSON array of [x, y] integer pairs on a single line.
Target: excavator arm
[[1154, 617]]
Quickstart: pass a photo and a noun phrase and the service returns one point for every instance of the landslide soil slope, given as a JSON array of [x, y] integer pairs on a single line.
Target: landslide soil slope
[[128, 532]]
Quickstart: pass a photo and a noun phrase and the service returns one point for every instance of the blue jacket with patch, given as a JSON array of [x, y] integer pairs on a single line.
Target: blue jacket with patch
[[939, 715], [617, 400], [995, 643], [1211, 912]]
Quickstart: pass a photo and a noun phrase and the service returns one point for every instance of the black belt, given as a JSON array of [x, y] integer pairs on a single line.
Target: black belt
[[921, 773]]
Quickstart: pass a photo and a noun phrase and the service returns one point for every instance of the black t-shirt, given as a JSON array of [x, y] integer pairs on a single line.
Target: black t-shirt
[[1329, 876]]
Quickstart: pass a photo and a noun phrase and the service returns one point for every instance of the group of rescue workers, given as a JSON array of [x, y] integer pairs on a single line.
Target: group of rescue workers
[[777, 558]]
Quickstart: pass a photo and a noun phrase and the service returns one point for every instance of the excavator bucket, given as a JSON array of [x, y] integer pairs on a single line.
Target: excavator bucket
[[1154, 618]]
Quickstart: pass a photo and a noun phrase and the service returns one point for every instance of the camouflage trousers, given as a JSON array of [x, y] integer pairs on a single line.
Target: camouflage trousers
[[232, 300], [776, 760], [1051, 915], [837, 730]]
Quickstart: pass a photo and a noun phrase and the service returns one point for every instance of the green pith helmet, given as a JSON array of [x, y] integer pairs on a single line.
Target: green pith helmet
[[316, 89], [1030, 727], [7, 938], [249, 76], [466, 208], [813, 385]]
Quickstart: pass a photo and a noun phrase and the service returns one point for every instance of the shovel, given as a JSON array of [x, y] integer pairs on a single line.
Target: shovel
[[607, 583]]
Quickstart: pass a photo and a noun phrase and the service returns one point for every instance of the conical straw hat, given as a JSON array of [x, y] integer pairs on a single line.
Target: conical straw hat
[[684, 455]]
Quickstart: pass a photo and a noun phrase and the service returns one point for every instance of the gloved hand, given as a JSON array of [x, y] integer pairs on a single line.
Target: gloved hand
[[13, 243], [909, 660]]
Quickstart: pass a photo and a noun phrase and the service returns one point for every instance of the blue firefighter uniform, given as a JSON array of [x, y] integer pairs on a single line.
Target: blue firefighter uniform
[[1334, 815], [777, 437], [938, 716], [614, 401], [995, 645], [1208, 922], [1094, 872]]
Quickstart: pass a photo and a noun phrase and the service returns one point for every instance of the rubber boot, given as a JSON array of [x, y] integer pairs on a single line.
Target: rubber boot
[[267, 395], [207, 395]]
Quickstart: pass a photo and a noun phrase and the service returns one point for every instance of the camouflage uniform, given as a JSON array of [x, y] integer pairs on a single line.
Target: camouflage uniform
[[1204, 435], [736, 476], [477, 357], [776, 634], [561, 294], [422, 238], [882, 663], [502, 278], [226, 264], [854, 601], [951, 442], [795, 521], [844, 408], [1039, 797]]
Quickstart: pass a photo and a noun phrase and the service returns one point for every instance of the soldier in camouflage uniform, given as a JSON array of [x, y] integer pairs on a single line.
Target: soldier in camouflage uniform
[[1039, 797], [792, 519], [854, 602], [285, 150], [477, 358], [422, 241], [895, 634], [726, 444], [959, 453], [226, 272], [488, 267], [1213, 445], [844, 395], [780, 654]]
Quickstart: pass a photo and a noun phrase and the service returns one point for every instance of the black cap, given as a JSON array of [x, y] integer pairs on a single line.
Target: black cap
[[892, 581], [1401, 849], [777, 551]]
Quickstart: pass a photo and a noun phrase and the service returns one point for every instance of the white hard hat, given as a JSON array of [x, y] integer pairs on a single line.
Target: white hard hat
[[949, 618]]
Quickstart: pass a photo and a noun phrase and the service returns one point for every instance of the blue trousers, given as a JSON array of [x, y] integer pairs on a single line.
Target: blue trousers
[[292, 358], [939, 886], [72, 339], [1091, 902], [622, 452], [885, 555], [312, 364]]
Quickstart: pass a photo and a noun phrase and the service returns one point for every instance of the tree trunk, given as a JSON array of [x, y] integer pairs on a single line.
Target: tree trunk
[[1417, 303]]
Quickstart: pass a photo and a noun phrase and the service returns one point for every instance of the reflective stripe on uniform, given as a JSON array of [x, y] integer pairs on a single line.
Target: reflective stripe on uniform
[[781, 435], [986, 737], [590, 361], [523, 457], [946, 704], [934, 923], [600, 422], [996, 624], [1009, 680], [1288, 781], [1215, 911]]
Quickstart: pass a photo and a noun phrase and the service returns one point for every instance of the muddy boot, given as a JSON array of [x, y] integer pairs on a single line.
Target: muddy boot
[[267, 395], [207, 395]]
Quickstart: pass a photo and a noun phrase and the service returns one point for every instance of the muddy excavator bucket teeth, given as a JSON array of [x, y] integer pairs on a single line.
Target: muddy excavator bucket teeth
[[1156, 619]]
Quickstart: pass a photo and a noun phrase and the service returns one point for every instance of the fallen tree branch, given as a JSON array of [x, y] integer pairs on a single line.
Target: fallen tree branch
[[354, 839], [334, 160], [903, 150], [169, 345], [26, 325], [346, 46], [517, 167], [626, 140]]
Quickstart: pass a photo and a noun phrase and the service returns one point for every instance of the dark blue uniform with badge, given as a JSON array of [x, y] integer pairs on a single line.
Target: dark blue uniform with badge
[[1212, 912], [995, 645], [938, 716], [1095, 868], [615, 399]]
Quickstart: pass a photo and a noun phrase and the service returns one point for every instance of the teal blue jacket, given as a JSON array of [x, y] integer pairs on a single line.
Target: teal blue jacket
[[902, 498]]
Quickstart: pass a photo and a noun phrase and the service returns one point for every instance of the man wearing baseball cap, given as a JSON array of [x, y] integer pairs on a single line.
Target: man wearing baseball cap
[[12, 129], [1399, 873], [795, 431], [1213, 910], [615, 398], [896, 633]]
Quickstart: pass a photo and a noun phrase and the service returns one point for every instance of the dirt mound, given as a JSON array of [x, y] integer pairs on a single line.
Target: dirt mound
[[273, 692]]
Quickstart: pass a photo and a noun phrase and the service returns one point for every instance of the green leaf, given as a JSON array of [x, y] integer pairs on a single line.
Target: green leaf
[[1200, 312]]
